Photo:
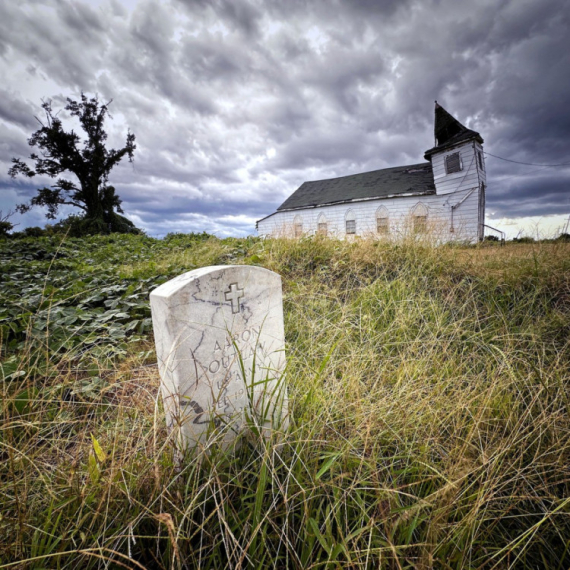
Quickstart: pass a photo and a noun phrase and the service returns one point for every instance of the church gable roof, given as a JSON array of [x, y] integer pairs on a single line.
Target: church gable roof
[[400, 180], [449, 131]]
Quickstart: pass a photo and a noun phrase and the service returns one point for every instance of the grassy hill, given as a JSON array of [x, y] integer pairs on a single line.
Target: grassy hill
[[430, 393]]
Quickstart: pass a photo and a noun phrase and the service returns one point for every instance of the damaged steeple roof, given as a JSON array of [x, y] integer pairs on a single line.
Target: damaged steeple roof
[[449, 132]]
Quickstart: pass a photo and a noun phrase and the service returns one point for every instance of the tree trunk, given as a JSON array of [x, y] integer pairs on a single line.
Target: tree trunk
[[92, 201]]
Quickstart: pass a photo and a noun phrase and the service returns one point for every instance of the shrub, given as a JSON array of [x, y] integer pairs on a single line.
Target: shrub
[[5, 228]]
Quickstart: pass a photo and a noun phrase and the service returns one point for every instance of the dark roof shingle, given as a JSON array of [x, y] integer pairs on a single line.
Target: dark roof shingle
[[412, 179]]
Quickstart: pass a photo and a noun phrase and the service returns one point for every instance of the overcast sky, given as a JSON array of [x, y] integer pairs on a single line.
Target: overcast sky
[[234, 103]]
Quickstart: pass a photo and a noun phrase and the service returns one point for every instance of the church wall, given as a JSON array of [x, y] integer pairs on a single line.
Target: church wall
[[400, 212]]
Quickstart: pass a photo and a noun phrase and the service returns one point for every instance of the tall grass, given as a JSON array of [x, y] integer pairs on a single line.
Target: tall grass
[[430, 399]]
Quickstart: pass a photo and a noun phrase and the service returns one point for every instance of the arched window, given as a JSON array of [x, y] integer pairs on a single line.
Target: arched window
[[350, 222], [298, 226], [419, 218], [322, 225], [382, 221]]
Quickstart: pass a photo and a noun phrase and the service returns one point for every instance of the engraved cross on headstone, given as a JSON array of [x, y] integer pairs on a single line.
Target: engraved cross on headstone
[[234, 295]]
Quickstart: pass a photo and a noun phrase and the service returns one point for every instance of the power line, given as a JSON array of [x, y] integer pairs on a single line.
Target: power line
[[526, 163]]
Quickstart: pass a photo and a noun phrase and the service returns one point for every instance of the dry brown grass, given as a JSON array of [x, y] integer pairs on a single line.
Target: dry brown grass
[[430, 392]]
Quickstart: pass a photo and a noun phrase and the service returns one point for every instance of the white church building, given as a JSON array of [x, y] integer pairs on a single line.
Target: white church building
[[444, 197]]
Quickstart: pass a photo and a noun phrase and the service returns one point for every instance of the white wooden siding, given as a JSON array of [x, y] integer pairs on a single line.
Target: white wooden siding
[[399, 212]]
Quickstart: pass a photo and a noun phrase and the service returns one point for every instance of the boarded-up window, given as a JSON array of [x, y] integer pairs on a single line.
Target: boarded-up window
[[420, 224], [298, 226], [419, 218], [382, 220], [383, 225], [322, 225], [452, 163], [350, 221]]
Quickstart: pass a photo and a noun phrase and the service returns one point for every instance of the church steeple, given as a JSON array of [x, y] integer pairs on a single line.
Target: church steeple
[[448, 132]]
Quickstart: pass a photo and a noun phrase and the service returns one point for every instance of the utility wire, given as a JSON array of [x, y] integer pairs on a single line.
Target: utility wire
[[526, 163]]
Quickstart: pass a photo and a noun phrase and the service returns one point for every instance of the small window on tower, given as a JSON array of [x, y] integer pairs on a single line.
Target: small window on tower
[[453, 163]]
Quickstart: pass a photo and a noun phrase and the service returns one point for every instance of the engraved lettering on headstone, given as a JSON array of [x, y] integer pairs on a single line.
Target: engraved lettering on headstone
[[197, 409]]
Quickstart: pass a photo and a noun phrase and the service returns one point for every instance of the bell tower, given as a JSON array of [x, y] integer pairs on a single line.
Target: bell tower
[[458, 167]]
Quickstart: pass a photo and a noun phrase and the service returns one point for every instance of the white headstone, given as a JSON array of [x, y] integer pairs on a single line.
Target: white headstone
[[220, 346]]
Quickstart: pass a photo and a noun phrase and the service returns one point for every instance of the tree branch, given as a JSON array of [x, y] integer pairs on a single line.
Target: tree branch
[[74, 204]]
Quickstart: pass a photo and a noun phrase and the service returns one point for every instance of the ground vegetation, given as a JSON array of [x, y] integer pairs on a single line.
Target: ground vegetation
[[430, 397]]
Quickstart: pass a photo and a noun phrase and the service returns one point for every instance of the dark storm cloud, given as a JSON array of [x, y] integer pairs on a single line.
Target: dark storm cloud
[[543, 193], [82, 19], [170, 207], [14, 110], [65, 40], [235, 104]]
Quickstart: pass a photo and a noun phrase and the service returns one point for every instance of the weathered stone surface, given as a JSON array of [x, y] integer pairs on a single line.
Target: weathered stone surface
[[220, 346]]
